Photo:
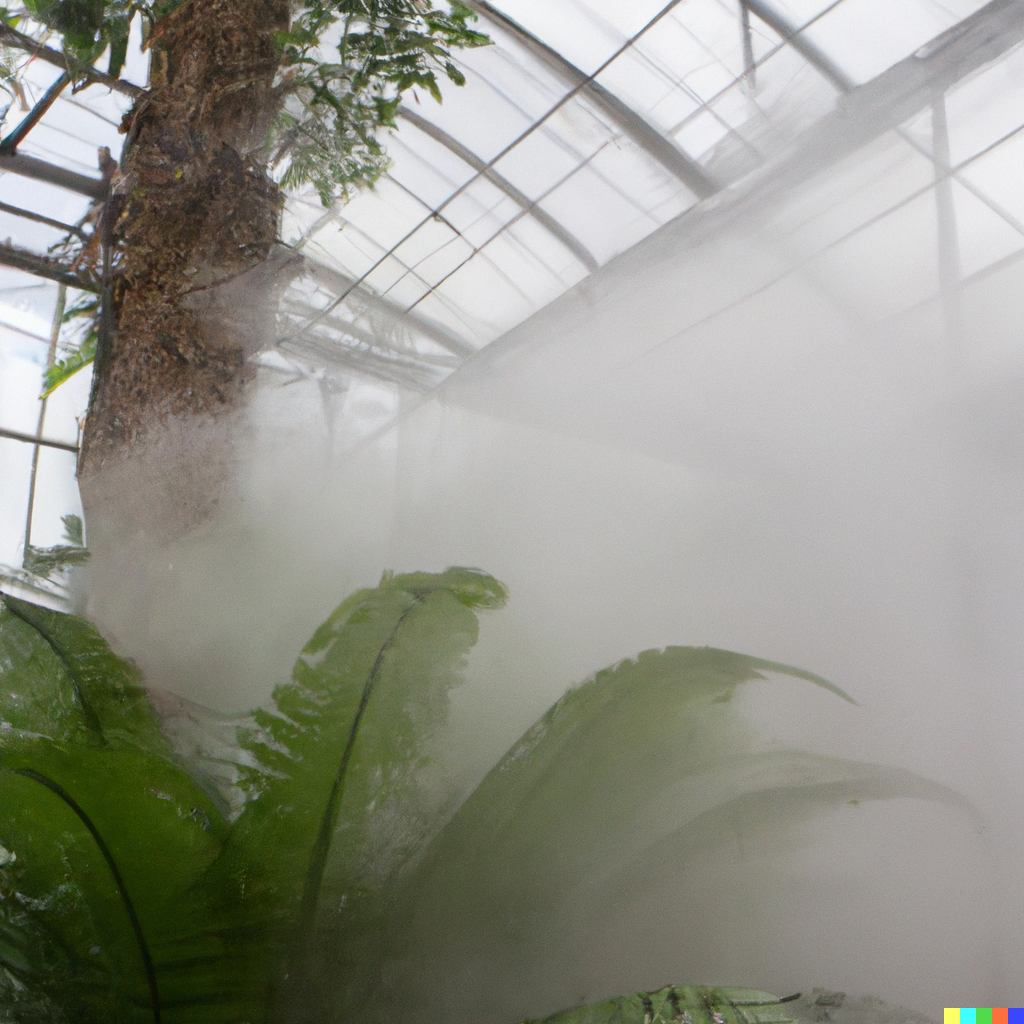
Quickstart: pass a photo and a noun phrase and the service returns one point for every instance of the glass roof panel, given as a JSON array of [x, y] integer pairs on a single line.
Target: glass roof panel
[[539, 163], [800, 12], [649, 89], [589, 192], [986, 107], [424, 167], [586, 34], [515, 74], [997, 174], [479, 115], [21, 363], [875, 181], [983, 236], [891, 277], [852, 34], [468, 287], [15, 467], [582, 170]]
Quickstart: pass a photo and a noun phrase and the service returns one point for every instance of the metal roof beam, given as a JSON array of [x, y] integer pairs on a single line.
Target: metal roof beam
[[366, 337], [845, 85], [342, 284], [820, 61], [17, 435], [44, 266], [406, 373], [12, 141], [17, 211], [644, 134], [896, 95], [40, 170], [866, 113], [566, 237]]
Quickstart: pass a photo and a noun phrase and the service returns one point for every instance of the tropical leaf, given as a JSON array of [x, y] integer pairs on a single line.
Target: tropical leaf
[[133, 887], [48, 562], [135, 898], [339, 801], [327, 133], [75, 358], [633, 774], [106, 834]]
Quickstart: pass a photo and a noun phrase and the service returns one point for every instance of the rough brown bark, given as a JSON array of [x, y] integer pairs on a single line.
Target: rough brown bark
[[193, 218]]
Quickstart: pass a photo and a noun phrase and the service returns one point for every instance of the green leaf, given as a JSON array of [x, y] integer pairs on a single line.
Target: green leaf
[[76, 358], [74, 530], [339, 892], [338, 801], [118, 36], [136, 897], [385, 50], [107, 834], [641, 768], [47, 562], [677, 1003]]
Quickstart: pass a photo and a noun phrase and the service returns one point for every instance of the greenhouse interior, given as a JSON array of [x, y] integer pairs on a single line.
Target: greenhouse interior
[[511, 510]]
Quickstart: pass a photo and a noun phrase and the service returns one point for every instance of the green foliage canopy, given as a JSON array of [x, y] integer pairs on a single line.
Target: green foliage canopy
[[334, 109], [344, 66]]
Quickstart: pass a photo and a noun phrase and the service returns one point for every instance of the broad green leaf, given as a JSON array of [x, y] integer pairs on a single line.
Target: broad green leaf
[[140, 900], [109, 698], [339, 802], [763, 805], [76, 358], [125, 894], [116, 31], [647, 764], [104, 834]]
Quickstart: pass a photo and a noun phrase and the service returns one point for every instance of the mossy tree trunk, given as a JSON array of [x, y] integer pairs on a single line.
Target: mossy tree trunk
[[192, 217]]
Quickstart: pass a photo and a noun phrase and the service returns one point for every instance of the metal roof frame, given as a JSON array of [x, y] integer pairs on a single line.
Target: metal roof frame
[[642, 132], [863, 112], [569, 240]]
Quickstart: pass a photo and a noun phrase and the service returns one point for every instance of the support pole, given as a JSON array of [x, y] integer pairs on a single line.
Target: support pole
[[51, 358], [948, 239], [749, 70], [12, 141]]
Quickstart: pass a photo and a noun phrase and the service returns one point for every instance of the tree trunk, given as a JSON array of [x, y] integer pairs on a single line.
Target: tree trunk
[[193, 221]]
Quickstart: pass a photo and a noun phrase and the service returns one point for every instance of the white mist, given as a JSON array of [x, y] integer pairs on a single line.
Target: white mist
[[753, 431]]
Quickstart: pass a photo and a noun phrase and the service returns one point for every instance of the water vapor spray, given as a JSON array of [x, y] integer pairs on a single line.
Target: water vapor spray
[[753, 431]]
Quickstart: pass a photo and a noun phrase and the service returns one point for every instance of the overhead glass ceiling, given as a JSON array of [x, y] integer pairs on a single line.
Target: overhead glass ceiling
[[586, 127]]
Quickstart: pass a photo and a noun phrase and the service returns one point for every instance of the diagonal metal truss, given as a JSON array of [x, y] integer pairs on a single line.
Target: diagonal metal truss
[[642, 132], [566, 237]]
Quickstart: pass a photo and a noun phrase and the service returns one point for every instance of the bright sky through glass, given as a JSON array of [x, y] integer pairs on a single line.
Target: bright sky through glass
[[587, 126]]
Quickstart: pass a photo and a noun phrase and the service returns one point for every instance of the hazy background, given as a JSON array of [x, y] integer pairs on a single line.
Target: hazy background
[[754, 431]]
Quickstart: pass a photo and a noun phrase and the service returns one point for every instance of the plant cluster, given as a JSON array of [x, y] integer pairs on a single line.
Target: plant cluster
[[269, 877]]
